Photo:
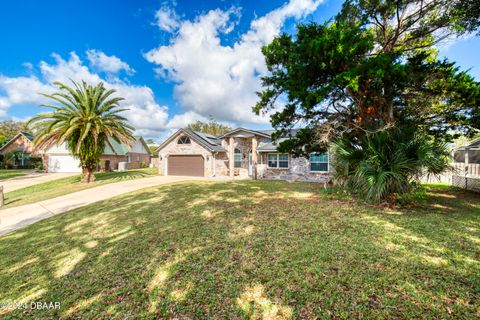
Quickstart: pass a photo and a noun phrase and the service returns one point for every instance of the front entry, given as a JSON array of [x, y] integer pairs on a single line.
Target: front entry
[[185, 165]]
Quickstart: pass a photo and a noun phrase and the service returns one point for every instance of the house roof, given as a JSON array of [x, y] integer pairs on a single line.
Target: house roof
[[208, 141], [272, 145], [263, 133], [117, 148], [21, 133], [474, 144], [214, 143], [27, 135]]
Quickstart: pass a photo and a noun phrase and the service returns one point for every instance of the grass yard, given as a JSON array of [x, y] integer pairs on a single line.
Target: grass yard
[[12, 173], [62, 186], [249, 249]]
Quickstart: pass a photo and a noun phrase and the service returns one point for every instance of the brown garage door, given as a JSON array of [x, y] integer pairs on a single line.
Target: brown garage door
[[185, 166]]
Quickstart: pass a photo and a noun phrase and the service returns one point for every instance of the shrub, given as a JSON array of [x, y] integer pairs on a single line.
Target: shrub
[[388, 162], [37, 163], [143, 164]]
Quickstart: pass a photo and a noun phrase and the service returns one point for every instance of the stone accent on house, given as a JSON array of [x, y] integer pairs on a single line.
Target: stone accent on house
[[173, 148], [221, 164], [299, 170], [245, 146]]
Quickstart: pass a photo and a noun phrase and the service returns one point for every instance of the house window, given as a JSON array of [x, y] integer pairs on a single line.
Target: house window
[[278, 160], [237, 158], [319, 162], [183, 140]]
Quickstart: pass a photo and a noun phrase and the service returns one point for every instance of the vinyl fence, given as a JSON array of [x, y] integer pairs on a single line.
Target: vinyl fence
[[466, 176], [462, 176]]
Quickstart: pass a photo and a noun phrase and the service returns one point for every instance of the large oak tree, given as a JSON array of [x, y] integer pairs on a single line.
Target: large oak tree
[[374, 66]]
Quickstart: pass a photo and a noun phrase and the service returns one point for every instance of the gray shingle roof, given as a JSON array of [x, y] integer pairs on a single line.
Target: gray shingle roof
[[209, 141]]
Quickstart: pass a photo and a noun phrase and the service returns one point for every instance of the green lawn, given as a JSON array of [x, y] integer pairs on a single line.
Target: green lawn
[[59, 187], [249, 249], [11, 173]]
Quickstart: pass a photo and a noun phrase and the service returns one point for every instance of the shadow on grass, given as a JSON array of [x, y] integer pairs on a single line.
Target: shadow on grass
[[259, 249]]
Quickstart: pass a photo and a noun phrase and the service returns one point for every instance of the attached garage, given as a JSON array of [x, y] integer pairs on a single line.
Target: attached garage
[[63, 163], [186, 165]]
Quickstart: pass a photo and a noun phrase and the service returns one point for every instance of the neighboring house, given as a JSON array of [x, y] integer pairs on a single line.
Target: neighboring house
[[240, 152], [23, 144], [59, 158], [469, 153]]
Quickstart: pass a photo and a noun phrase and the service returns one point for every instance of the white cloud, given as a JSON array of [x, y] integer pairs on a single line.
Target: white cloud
[[184, 119], [144, 113], [167, 19], [109, 64], [221, 80]]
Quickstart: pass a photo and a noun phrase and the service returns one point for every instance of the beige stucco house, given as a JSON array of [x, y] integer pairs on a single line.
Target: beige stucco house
[[238, 153]]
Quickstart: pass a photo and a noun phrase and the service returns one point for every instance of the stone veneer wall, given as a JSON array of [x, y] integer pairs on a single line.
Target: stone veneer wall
[[299, 170], [245, 146], [221, 164], [185, 149]]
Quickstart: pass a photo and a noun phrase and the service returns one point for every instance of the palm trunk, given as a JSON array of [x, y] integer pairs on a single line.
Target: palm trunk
[[88, 175]]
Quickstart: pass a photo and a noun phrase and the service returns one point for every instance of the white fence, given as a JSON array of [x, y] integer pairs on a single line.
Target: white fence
[[461, 175]]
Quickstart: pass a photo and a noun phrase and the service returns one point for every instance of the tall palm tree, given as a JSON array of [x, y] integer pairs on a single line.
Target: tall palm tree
[[85, 119]]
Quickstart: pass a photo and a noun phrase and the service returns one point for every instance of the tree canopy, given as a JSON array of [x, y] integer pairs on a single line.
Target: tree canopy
[[10, 128], [373, 66], [210, 127]]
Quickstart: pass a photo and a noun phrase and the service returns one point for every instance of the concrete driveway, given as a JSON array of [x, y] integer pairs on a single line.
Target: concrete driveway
[[18, 217], [31, 179]]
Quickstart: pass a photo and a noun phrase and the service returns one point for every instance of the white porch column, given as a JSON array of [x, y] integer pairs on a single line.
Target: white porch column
[[254, 157], [466, 162], [231, 157]]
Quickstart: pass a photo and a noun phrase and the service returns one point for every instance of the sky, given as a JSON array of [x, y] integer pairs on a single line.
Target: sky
[[174, 62]]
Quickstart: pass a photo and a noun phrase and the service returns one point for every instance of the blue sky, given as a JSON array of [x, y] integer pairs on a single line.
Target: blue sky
[[175, 62]]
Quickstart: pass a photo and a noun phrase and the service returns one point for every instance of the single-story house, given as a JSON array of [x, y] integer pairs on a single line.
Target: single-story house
[[59, 159], [239, 152], [22, 143]]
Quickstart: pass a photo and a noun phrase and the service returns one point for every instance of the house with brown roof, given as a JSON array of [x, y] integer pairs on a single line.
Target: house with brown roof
[[238, 153]]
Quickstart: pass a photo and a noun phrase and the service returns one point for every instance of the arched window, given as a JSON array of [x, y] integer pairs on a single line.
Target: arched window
[[238, 158], [183, 140]]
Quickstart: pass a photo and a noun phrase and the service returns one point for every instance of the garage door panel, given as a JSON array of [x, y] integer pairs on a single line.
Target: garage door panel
[[63, 163], [186, 165]]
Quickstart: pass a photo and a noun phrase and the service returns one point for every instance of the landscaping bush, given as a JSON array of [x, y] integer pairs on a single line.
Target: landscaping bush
[[387, 163], [143, 164], [37, 163]]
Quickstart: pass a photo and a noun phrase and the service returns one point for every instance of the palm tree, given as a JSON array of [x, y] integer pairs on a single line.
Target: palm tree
[[85, 119]]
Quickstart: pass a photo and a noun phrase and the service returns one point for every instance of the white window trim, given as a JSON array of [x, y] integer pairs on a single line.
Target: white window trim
[[184, 143], [278, 161], [241, 158], [319, 171]]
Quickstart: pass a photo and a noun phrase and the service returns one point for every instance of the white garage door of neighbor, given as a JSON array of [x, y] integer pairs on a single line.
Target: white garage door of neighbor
[[64, 163]]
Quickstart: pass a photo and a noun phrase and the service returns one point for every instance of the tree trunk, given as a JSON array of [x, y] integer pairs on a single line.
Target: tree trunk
[[88, 175]]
